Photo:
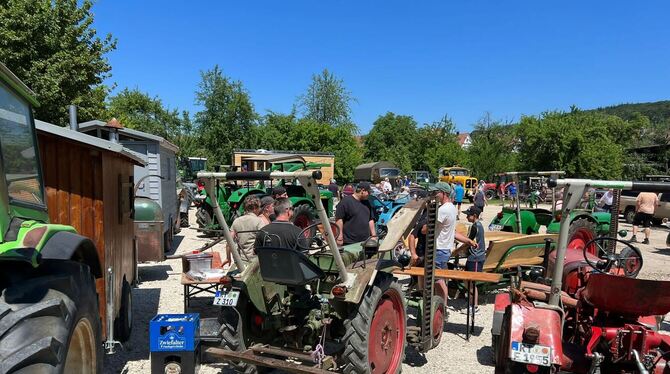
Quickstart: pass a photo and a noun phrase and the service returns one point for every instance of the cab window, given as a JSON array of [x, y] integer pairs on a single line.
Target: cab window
[[17, 147]]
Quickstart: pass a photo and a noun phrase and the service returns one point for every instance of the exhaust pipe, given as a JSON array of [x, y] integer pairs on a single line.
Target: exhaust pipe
[[73, 118]]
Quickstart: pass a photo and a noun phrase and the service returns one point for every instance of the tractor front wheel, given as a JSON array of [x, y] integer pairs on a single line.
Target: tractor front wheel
[[49, 318], [374, 341], [439, 317]]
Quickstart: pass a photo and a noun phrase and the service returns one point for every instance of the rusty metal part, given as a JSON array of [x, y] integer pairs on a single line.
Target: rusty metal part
[[541, 292], [254, 357], [429, 277]]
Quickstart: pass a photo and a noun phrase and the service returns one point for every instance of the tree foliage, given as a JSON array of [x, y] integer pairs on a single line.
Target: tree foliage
[[53, 47], [492, 149], [138, 110], [583, 144], [328, 101], [437, 146], [228, 117]]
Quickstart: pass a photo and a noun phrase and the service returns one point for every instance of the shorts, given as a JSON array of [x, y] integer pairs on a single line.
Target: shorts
[[442, 258], [474, 265], [480, 208], [643, 219], [458, 202]]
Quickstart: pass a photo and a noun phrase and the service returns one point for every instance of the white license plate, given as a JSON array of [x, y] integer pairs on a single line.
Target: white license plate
[[531, 354], [226, 298], [494, 227]]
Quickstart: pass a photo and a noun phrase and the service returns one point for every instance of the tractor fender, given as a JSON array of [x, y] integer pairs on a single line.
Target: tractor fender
[[547, 321], [295, 201], [385, 217], [501, 302], [70, 246]]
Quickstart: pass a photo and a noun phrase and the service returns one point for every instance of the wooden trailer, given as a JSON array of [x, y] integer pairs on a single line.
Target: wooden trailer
[[89, 185]]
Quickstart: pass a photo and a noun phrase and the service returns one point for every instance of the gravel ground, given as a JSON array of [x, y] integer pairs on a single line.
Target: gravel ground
[[161, 292]]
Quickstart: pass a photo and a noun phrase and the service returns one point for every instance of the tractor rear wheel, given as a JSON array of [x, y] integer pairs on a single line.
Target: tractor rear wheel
[[490, 194], [123, 324], [581, 232], [303, 216], [49, 320], [232, 338], [374, 341]]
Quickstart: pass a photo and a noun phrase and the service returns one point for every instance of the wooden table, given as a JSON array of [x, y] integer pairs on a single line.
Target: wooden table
[[461, 275], [195, 287]]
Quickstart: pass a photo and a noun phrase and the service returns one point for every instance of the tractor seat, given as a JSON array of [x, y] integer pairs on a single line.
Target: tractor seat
[[627, 296], [287, 266]]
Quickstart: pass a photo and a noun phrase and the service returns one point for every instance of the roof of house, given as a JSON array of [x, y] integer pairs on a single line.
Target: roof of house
[[139, 135], [278, 152], [76, 136], [463, 137]]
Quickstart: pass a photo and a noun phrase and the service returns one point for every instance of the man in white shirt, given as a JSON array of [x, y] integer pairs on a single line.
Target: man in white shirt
[[446, 224], [386, 185], [607, 200]]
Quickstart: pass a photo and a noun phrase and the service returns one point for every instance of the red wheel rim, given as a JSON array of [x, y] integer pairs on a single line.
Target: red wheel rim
[[387, 334], [579, 240], [438, 322]]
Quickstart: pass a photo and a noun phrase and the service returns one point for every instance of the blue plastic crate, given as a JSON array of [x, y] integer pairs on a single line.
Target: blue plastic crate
[[174, 332]]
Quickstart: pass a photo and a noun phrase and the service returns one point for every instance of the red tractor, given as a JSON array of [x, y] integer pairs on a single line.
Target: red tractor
[[591, 315]]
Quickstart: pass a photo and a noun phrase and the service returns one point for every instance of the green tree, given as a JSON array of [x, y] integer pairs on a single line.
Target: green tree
[[393, 138], [227, 119], [52, 46], [492, 148], [327, 101], [583, 144], [437, 146], [138, 110]]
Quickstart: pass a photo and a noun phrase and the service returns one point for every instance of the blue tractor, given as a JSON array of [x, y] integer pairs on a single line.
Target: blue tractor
[[384, 207]]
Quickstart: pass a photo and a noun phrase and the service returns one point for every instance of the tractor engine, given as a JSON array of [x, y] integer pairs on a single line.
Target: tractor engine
[[303, 316]]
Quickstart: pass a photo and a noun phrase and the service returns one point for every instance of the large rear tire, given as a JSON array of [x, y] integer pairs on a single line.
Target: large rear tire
[[581, 232], [49, 321], [232, 339], [375, 336]]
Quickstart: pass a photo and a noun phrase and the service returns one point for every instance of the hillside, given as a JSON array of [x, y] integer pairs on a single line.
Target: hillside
[[657, 112]]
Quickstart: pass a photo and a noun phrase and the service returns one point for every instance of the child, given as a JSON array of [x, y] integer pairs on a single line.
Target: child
[[476, 256]]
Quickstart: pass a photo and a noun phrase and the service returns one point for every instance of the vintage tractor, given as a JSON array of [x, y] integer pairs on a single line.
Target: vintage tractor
[[48, 302], [320, 307], [384, 207], [231, 196], [587, 314]]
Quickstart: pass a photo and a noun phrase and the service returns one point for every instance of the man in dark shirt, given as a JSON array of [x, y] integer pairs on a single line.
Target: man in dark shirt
[[334, 188], [281, 233], [354, 217]]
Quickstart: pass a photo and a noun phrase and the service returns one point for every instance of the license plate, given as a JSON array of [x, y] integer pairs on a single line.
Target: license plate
[[226, 298], [494, 227], [531, 354]]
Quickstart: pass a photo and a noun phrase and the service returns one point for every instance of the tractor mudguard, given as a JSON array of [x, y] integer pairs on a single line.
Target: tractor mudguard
[[546, 320], [70, 246], [501, 302]]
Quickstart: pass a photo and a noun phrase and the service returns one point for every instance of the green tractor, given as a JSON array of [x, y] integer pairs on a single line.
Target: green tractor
[[321, 307], [48, 301], [230, 197], [585, 225]]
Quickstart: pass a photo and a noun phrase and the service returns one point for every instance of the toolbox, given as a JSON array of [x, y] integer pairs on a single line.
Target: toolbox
[[174, 343]]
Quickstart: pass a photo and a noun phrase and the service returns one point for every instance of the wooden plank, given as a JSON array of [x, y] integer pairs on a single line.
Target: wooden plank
[[87, 194], [76, 161], [401, 223], [63, 206], [476, 276], [513, 263], [498, 248]]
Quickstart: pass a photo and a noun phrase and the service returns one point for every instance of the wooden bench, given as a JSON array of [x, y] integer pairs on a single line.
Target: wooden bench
[[461, 275], [194, 287]]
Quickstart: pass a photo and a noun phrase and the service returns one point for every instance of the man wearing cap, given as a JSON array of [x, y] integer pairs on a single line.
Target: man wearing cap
[[279, 192], [446, 223], [354, 216], [281, 233]]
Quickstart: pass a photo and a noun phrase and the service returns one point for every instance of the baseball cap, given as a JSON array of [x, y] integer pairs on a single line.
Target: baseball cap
[[278, 191], [267, 200], [348, 189], [440, 186], [473, 211], [364, 186]]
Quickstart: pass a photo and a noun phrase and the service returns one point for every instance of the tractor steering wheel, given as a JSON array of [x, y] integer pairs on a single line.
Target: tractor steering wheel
[[628, 261], [311, 237]]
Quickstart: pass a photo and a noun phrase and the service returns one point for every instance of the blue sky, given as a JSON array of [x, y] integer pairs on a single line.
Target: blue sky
[[424, 59]]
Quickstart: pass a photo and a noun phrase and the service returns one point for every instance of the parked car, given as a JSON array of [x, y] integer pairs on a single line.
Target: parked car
[[628, 201]]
